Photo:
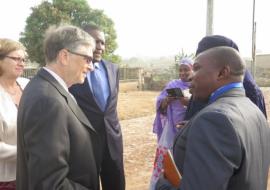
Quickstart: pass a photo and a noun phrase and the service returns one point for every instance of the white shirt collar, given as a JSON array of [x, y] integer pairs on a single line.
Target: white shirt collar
[[96, 65], [58, 78]]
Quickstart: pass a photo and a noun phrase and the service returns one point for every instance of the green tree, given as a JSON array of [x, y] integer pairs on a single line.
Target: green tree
[[76, 12]]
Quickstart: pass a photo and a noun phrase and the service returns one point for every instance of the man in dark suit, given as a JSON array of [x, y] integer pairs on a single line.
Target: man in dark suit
[[54, 136], [252, 90], [225, 146], [99, 105]]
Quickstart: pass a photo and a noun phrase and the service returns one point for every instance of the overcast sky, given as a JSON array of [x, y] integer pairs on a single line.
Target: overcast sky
[[161, 28]]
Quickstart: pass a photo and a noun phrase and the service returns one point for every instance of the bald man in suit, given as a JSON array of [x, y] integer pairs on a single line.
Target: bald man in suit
[[225, 146]]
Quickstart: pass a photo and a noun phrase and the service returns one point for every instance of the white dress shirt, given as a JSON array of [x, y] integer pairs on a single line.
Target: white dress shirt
[[60, 81], [8, 133]]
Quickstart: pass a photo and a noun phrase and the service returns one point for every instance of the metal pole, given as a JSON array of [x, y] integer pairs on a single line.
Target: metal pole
[[209, 17], [253, 64]]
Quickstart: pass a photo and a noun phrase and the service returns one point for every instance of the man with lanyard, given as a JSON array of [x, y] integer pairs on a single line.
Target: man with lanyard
[[252, 90], [225, 146]]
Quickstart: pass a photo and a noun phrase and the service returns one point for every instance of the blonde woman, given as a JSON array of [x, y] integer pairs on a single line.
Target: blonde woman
[[12, 61]]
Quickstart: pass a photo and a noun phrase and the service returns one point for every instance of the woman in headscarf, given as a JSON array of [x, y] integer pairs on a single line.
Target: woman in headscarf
[[252, 90], [169, 112]]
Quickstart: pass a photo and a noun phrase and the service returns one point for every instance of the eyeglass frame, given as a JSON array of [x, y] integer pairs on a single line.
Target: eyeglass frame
[[16, 59], [88, 58]]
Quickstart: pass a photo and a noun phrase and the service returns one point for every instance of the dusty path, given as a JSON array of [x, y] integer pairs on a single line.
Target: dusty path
[[139, 150]]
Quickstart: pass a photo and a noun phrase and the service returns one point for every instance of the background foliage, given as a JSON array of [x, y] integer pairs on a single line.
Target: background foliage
[[75, 12]]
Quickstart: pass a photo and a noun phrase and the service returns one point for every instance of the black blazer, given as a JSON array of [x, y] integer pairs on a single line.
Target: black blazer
[[108, 119], [54, 139]]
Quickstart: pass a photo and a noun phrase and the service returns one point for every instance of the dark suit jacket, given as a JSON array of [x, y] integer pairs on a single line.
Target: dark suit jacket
[[104, 122], [54, 139], [224, 147]]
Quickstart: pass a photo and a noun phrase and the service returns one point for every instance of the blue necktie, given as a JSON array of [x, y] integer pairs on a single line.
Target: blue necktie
[[98, 89]]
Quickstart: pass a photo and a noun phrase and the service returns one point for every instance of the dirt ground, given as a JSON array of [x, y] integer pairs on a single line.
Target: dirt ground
[[139, 151], [136, 112]]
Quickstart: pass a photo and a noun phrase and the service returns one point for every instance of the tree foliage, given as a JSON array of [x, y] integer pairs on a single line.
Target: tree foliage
[[75, 12]]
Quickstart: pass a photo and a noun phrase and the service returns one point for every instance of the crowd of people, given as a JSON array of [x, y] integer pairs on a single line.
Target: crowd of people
[[58, 135], [60, 130]]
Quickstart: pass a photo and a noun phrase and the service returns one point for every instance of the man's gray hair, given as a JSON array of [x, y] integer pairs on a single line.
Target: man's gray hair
[[64, 36]]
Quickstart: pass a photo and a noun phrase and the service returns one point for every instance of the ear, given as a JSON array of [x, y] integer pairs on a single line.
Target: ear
[[224, 72], [63, 57]]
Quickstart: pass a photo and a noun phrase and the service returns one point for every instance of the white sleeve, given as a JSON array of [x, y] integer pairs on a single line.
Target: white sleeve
[[7, 151]]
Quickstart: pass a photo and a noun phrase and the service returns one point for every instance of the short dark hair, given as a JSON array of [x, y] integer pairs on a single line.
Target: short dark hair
[[91, 27]]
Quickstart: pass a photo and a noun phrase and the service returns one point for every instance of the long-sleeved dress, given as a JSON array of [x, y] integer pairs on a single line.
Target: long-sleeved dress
[[8, 134], [165, 125]]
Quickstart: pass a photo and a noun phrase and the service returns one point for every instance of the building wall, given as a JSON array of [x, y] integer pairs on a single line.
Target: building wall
[[263, 60], [263, 70]]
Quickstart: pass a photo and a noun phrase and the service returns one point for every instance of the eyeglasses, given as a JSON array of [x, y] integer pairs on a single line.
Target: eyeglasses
[[86, 57], [17, 59]]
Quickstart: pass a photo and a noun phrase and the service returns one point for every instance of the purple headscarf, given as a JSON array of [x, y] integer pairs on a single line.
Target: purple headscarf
[[186, 61]]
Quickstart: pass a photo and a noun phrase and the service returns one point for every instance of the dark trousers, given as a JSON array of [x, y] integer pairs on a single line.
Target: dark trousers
[[112, 173]]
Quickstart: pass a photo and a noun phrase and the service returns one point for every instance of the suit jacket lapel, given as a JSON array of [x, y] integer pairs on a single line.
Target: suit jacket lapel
[[71, 103], [78, 112], [110, 79], [87, 89]]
